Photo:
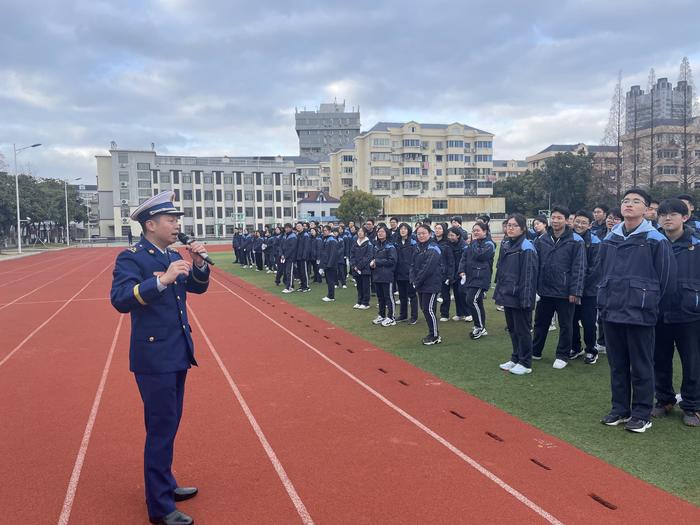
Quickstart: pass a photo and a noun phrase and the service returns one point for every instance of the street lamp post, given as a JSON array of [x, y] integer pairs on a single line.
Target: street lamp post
[[19, 226], [65, 188]]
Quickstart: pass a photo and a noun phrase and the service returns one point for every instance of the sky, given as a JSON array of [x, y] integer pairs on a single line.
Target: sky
[[204, 77]]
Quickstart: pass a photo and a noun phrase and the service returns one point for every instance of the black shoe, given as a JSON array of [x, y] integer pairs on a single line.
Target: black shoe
[[412, 321], [174, 518], [573, 354], [432, 340], [637, 425], [590, 359], [691, 419], [184, 493], [612, 420], [401, 319], [661, 410]]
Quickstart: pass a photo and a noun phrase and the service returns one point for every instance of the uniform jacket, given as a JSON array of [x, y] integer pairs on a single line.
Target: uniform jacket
[[257, 244], [385, 262], [427, 269], [405, 251], [247, 242], [303, 246], [316, 243], [516, 274], [599, 230], [476, 263], [341, 247], [361, 254], [562, 264], [161, 340], [329, 252], [592, 279], [455, 250], [448, 261], [682, 305], [289, 246], [637, 270], [236, 241]]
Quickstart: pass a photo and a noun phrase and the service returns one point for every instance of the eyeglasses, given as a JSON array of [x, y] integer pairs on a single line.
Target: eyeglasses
[[509, 225], [633, 201]]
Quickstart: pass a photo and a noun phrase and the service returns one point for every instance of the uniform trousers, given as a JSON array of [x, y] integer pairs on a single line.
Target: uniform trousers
[[544, 311], [407, 294], [428, 305], [585, 312], [385, 297], [475, 306], [686, 339], [331, 279], [362, 289], [519, 323]]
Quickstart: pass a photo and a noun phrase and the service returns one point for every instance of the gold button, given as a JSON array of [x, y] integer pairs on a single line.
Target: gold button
[[151, 339], [180, 312], [178, 297]]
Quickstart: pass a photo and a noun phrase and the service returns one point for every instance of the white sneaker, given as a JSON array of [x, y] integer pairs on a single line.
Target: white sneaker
[[443, 319], [520, 370], [500, 308], [345, 286], [378, 320], [559, 364], [388, 322], [552, 327], [327, 300], [468, 319], [508, 365], [287, 290], [398, 301], [457, 318], [355, 306], [396, 292], [363, 307], [439, 299], [601, 349]]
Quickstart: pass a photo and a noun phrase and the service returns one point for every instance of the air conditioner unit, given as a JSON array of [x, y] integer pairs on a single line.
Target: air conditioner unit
[[125, 220], [123, 184], [125, 202]]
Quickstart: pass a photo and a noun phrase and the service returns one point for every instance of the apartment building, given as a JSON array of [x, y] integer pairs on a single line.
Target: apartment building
[[326, 129], [505, 169], [604, 157]]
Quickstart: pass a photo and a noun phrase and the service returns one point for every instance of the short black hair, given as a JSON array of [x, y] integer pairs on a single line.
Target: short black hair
[[287, 224], [560, 209], [484, 226], [427, 222], [370, 220], [638, 191], [423, 226], [394, 219], [615, 212], [485, 217], [585, 213], [603, 207], [673, 206], [688, 198], [543, 219], [456, 219], [456, 230], [520, 219], [653, 200], [328, 227]]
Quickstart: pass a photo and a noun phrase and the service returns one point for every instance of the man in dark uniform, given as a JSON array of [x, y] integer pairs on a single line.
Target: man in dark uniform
[[151, 282]]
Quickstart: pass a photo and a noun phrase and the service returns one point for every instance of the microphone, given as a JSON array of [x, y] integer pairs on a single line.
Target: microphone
[[184, 239]]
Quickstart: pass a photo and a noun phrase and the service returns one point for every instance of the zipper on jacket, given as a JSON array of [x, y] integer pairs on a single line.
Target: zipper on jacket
[[644, 296]]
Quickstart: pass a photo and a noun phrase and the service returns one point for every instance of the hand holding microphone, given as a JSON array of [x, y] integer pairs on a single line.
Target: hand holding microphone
[[197, 249]]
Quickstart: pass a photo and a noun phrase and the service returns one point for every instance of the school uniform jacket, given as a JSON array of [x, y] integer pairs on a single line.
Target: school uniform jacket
[[637, 270], [448, 260], [289, 247], [405, 251], [303, 246], [592, 278], [361, 254], [329, 253], [477, 263], [516, 274], [682, 305], [385, 262], [562, 261], [161, 340], [426, 272]]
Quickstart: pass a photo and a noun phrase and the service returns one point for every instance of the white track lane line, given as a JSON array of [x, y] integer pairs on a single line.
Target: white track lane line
[[289, 487], [54, 262], [82, 451], [437, 437], [25, 267], [42, 325], [24, 303], [45, 284]]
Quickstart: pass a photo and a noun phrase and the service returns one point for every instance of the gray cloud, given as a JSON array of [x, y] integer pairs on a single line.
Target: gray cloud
[[208, 77]]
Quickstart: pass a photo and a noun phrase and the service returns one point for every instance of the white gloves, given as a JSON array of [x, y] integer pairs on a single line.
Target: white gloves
[[321, 272]]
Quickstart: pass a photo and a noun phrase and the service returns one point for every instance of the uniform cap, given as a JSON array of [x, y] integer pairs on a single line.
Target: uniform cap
[[156, 205]]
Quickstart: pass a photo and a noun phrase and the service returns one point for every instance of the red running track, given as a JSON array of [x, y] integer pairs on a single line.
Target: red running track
[[288, 419]]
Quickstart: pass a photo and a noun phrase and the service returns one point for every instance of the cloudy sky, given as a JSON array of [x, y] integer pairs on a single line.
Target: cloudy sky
[[224, 77]]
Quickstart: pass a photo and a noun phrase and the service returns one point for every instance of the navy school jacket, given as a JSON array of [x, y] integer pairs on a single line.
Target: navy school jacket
[[303, 246], [247, 242], [329, 252], [476, 263], [427, 270], [405, 252], [516, 274], [360, 256], [592, 279], [385, 262], [289, 246], [342, 248], [236, 241], [257, 244], [270, 243], [682, 305], [599, 230], [316, 244], [637, 270], [455, 250], [448, 261], [161, 340], [562, 261]]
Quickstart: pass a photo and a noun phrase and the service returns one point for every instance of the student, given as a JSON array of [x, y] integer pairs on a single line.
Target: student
[[258, 242], [370, 230], [679, 319], [279, 273], [652, 213], [448, 270], [562, 271], [302, 256], [288, 253], [456, 222], [394, 229], [315, 253], [236, 244], [247, 249], [539, 226], [692, 222], [637, 267], [425, 276], [599, 227], [499, 307], [516, 282], [383, 266], [455, 248], [613, 218], [361, 253], [342, 247], [405, 250], [586, 312], [475, 269], [328, 262]]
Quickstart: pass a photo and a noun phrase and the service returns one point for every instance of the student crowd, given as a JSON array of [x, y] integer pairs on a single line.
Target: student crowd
[[625, 279]]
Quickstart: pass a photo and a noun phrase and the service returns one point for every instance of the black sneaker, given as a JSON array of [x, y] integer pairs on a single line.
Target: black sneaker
[[401, 319], [432, 340], [573, 354], [661, 410], [612, 420], [590, 359], [637, 425], [304, 290], [412, 321]]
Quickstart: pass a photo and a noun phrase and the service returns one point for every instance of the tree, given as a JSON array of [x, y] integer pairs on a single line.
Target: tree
[[686, 138], [614, 130], [358, 205], [520, 193], [651, 84], [565, 179]]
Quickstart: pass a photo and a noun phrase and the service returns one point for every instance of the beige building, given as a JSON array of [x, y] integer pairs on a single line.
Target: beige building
[[442, 209], [604, 157], [505, 169], [664, 164], [416, 160]]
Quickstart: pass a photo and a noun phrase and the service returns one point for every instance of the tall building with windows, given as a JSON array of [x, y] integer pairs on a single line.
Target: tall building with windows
[[321, 132], [411, 159], [215, 193], [667, 103], [505, 169]]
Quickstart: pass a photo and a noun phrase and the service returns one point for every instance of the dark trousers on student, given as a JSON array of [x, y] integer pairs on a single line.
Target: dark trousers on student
[[289, 274], [686, 338], [362, 289], [303, 274], [428, 305], [544, 311], [331, 279], [459, 293], [236, 252], [631, 359], [519, 323], [407, 294], [585, 312], [385, 297], [259, 260], [280, 271], [446, 300], [475, 306], [269, 260], [315, 268], [342, 273]]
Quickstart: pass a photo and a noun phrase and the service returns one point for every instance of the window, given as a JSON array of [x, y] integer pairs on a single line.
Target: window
[[228, 179], [379, 155], [411, 171], [438, 158], [380, 170], [347, 169], [199, 230], [278, 212], [238, 178], [455, 157], [268, 195], [287, 195], [208, 212], [483, 158], [439, 145], [411, 143], [176, 176], [197, 177], [199, 212], [164, 178], [249, 211], [278, 195], [467, 158], [144, 184], [269, 212], [143, 175], [484, 144], [219, 212], [455, 184], [455, 171], [187, 195], [278, 177], [209, 229], [249, 195], [382, 143], [267, 180], [484, 184], [239, 195], [177, 194], [208, 195], [440, 204], [380, 185], [438, 172], [286, 180], [217, 174], [455, 143], [228, 195], [207, 179], [439, 185], [258, 179], [123, 176], [124, 195], [123, 158], [287, 211], [247, 179], [347, 158], [258, 195], [218, 195], [143, 166], [187, 179], [198, 195], [346, 182]]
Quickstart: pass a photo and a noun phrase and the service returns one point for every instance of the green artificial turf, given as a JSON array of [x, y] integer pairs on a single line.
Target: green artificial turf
[[566, 403]]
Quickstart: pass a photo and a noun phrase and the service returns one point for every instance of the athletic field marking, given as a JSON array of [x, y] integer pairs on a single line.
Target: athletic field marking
[[13, 281], [42, 325], [289, 487], [437, 437], [82, 451], [43, 285], [24, 303], [24, 267]]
